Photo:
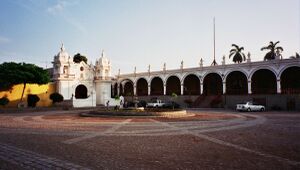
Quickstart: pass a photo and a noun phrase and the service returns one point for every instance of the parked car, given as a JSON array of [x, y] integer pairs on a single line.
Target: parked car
[[170, 104], [155, 103], [249, 106]]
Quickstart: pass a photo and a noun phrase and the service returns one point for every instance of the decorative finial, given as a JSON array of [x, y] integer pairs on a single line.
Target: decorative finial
[[181, 64], [62, 48], [201, 62], [102, 53], [223, 61], [149, 68], [248, 59], [134, 70], [119, 72], [164, 67]]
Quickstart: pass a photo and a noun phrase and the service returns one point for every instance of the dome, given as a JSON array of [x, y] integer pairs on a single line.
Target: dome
[[62, 55], [103, 60]]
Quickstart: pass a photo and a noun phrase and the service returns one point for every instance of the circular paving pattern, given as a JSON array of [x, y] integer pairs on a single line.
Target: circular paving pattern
[[76, 130]]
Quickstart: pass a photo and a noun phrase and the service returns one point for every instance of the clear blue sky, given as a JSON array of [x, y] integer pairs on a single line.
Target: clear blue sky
[[142, 32]]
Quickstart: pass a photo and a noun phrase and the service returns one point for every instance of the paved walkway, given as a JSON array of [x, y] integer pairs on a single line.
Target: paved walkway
[[80, 131]]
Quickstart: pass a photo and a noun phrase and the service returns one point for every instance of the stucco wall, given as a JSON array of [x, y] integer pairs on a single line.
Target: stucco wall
[[43, 91]]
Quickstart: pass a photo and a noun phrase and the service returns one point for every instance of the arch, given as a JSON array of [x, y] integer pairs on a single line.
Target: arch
[[142, 87], [168, 76], [173, 85], [115, 89], [290, 82], [236, 83], [81, 92], [157, 86], [212, 84], [211, 72], [260, 68], [263, 81], [128, 88], [191, 84], [239, 70]]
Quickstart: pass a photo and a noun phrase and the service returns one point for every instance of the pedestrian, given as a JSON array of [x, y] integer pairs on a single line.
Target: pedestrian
[[107, 104]]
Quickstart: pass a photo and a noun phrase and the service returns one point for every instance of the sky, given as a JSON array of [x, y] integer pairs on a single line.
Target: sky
[[136, 33]]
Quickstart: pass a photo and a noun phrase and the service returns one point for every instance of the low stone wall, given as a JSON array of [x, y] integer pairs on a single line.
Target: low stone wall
[[271, 101], [169, 113]]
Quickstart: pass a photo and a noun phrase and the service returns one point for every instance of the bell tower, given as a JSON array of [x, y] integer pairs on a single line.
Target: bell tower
[[103, 79]]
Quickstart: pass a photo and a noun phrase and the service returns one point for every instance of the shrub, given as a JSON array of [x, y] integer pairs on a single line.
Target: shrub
[[56, 97], [142, 103], [32, 99], [117, 97], [188, 102], [4, 101]]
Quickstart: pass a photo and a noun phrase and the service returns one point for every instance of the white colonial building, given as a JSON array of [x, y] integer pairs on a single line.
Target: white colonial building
[[84, 84], [274, 83]]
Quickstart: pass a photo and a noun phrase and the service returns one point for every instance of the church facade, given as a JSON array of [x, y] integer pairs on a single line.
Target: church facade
[[85, 84], [274, 83]]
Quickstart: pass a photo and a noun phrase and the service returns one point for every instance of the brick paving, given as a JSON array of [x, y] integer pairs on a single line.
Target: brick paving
[[31, 160], [236, 141]]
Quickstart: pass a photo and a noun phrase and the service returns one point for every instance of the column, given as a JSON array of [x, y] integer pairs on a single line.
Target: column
[[149, 90], [249, 87], [134, 90], [201, 88], [165, 89], [181, 89], [224, 87], [278, 87]]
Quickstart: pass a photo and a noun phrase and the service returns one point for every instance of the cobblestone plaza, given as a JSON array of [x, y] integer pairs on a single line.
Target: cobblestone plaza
[[208, 140]]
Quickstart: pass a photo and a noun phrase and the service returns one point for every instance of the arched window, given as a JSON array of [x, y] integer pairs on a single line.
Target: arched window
[[157, 86], [81, 92], [173, 85], [212, 84], [263, 81], [236, 83], [191, 85]]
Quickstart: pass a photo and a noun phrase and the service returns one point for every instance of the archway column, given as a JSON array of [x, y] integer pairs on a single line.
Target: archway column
[[201, 88], [134, 90], [165, 89], [278, 86], [249, 87], [149, 89], [224, 87], [181, 89]]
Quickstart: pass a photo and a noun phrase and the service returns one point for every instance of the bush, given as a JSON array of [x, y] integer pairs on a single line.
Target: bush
[[32, 99], [142, 103], [56, 97], [188, 102], [4, 101]]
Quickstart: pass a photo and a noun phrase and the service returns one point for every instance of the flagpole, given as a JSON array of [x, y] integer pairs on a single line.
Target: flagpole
[[214, 62]]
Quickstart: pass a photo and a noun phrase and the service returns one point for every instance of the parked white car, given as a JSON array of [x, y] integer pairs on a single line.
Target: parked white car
[[155, 103], [249, 106]]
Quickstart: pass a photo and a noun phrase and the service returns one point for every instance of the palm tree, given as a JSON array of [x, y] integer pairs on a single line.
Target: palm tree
[[238, 55], [272, 47]]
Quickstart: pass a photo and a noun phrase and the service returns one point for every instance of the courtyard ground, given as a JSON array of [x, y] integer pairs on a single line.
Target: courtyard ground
[[212, 139]]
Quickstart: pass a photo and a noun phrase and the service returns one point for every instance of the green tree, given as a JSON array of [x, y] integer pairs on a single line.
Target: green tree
[[78, 58], [21, 73], [56, 97], [272, 47], [4, 101], [238, 55], [32, 99], [173, 97]]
